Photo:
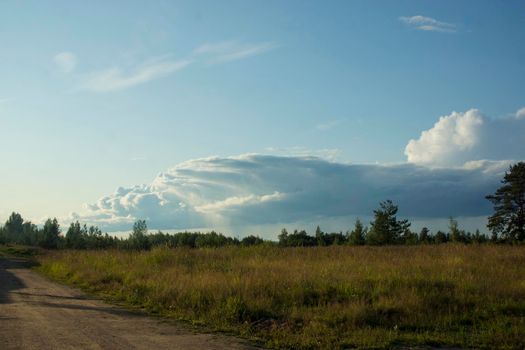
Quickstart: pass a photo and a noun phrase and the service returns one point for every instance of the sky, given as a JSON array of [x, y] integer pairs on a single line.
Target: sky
[[246, 116]]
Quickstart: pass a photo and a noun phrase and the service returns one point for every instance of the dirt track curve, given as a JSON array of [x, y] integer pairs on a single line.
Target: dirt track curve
[[38, 314]]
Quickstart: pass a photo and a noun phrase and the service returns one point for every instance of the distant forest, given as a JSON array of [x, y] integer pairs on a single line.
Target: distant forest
[[507, 225], [386, 229]]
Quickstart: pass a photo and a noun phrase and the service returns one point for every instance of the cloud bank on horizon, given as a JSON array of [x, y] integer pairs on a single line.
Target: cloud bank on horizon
[[450, 169]]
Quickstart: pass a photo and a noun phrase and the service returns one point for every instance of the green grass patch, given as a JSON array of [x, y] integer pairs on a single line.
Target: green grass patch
[[323, 297]]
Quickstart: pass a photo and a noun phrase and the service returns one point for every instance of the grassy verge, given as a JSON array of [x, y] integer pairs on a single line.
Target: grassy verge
[[325, 297], [18, 251]]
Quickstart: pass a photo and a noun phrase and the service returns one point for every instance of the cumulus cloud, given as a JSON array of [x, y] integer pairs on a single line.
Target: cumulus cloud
[[65, 61], [227, 51], [117, 78], [461, 137], [428, 24], [261, 189]]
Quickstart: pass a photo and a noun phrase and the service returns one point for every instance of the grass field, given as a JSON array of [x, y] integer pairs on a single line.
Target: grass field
[[324, 297]]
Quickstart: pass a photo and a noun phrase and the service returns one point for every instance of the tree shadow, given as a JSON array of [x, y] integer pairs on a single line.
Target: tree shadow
[[53, 296], [8, 281], [106, 309]]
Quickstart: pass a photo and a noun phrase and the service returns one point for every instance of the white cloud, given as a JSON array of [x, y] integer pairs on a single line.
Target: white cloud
[[428, 24], [450, 169], [462, 137], [117, 78], [237, 202], [227, 51], [265, 190], [65, 61], [520, 113]]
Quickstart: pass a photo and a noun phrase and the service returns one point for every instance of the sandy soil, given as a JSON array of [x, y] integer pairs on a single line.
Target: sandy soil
[[38, 314]]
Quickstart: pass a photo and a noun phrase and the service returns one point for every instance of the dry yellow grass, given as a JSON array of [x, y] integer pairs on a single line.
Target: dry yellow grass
[[323, 297]]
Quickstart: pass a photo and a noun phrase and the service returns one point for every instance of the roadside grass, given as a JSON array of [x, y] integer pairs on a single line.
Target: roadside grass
[[13, 250], [321, 297]]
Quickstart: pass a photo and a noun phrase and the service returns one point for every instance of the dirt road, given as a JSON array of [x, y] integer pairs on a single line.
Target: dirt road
[[38, 314]]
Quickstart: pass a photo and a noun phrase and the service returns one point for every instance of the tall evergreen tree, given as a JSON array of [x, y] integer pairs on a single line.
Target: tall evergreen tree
[[508, 219], [386, 228], [358, 234]]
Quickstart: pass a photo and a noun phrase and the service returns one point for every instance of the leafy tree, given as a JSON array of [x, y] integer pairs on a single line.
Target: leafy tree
[[319, 236], [251, 240], [454, 231], [386, 229], [14, 228], [76, 236], [283, 237], [50, 234], [29, 233], [478, 237], [409, 237], [508, 219], [296, 239], [494, 238], [334, 238], [424, 235], [214, 239], [358, 234], [3, 238], [441, 237], [138, 238]]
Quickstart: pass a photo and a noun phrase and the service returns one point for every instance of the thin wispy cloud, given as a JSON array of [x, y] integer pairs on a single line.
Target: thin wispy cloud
[[329, 154], [65, 61], [428, 24], [328, 125], [117, 78], [122, 77], [228, 51]]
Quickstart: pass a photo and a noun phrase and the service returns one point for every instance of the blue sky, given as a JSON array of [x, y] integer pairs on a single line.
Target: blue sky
[[97, 95]]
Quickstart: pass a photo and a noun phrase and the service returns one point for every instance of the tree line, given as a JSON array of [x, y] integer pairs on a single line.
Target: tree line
[[78, 236], [507, 225], [385, 229]]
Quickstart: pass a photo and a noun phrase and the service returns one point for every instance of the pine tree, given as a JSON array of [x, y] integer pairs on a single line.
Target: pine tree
[[386, 229], [358, 234], [508, 219]]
